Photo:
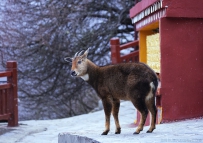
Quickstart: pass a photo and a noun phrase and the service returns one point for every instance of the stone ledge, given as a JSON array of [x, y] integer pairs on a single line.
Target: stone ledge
[[69, 138]]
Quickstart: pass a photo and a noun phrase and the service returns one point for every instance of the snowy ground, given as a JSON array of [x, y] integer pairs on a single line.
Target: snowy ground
[[91, 125]]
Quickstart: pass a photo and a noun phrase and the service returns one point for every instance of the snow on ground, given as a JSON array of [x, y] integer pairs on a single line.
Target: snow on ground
[[91, 125]]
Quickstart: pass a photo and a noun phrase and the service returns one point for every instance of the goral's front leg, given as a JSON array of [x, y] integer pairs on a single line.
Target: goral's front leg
[[107, 110], [115, 110]]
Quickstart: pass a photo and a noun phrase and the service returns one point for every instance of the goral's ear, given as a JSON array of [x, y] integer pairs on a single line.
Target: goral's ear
[[68, 59]]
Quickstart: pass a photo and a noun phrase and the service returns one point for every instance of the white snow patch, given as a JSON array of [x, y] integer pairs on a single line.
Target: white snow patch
[[92, 125]]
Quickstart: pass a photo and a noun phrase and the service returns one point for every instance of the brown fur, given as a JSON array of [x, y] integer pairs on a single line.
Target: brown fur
[[129, 81]]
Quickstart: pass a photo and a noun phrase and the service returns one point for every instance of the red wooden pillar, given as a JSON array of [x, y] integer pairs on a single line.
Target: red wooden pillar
[[13, 96], [115, 50]]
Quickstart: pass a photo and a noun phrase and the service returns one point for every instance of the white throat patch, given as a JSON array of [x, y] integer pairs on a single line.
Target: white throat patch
[[85, 77]]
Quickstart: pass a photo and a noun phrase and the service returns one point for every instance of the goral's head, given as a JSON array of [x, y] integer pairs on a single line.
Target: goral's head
[[79, 63]]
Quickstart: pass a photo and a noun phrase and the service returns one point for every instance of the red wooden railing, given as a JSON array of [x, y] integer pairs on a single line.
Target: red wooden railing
[[116, 48], [9, 96]]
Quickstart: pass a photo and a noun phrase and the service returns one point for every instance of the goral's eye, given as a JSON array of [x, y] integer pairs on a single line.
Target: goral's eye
[[79, 62]]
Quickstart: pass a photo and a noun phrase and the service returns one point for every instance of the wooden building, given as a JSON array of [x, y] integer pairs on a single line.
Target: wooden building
[[171, 41]]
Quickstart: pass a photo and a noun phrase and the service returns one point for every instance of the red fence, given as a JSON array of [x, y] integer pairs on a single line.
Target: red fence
[[8, 95], [116, 48]]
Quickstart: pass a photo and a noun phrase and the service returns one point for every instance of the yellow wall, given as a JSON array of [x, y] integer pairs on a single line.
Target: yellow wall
[[143, 45], [153, 52], [149, 46]]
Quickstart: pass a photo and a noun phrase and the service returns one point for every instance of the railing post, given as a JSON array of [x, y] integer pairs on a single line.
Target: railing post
[[13, 95], [115, 50]]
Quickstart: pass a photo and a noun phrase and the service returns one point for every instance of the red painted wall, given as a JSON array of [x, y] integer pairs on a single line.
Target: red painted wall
[[181, 68], [184, 8]]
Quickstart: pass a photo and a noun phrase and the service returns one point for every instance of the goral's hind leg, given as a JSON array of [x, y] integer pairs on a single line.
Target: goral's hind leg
[[153, 110], [107, 110], [144, 113], [115, 110], [141, 107]]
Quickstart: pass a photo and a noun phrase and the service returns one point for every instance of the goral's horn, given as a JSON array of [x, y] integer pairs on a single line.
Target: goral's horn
[[80, 53], [75, 54]]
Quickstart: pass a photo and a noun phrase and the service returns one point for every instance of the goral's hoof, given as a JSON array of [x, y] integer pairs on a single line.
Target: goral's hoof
[[105, 133], [118, 131], [135, 133], [149, 131]]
